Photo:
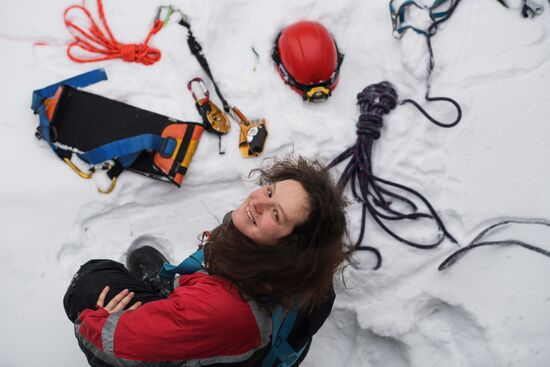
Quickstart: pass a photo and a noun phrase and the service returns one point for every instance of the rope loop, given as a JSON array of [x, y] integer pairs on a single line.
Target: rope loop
[[94, 40]]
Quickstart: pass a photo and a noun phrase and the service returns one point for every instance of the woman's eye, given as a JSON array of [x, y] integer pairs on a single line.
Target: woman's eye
[[276, 214], [269, 192]]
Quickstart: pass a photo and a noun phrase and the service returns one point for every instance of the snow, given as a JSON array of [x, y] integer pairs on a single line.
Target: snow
[[490, 309]]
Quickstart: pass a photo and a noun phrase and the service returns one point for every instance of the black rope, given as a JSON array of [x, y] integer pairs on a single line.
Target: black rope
[[373, 192], [196, 50], [432, 29], [477, 241]]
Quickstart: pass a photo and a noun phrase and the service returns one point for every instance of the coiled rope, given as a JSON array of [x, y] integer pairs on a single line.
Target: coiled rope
[[376, 194], [97, 41]]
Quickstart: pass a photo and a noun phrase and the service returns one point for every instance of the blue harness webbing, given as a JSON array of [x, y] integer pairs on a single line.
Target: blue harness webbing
[[40, 95], [125, 151], [130, 147], [79, 81], [281, 324]]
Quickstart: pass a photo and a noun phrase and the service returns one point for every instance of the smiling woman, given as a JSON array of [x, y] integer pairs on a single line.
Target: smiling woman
[[280, 249], [271, 213], [286, 238]]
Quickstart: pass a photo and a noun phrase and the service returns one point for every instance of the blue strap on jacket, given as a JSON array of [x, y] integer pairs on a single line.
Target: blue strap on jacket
[[281, 325]]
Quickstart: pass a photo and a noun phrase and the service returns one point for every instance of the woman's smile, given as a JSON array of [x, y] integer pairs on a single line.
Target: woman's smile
[[271, 212]]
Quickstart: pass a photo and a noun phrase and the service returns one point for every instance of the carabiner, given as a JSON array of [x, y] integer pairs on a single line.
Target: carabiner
[[110, 189], [84, 175], [202, 86], [530, 9], [164, 12]]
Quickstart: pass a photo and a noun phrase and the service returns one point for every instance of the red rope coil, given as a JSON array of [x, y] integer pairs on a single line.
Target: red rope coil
[[95, 40]]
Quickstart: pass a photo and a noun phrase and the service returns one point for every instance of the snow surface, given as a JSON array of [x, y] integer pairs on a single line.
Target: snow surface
[[490, 309]]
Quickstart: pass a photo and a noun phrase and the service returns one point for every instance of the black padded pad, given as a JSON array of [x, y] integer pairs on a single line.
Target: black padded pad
[[86, 121]]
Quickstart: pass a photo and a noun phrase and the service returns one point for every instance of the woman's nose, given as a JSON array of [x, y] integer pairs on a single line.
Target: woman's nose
[[262, 204]]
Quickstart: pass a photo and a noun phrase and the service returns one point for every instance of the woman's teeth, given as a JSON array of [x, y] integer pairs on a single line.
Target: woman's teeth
[[249, 214]]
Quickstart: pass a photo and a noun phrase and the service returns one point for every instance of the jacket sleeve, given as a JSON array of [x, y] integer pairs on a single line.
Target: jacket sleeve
[[200, 320]]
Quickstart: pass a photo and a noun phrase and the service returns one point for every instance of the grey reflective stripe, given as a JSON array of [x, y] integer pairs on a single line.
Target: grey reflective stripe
[[222, 359], [108, 332], [263, 321], [107, 354]]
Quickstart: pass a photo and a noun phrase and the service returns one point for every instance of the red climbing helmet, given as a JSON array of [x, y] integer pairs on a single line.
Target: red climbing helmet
[[308, 59]]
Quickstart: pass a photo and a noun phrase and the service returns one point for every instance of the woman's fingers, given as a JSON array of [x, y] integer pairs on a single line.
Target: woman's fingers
[[102, 296], [135, 305], [119, 302]]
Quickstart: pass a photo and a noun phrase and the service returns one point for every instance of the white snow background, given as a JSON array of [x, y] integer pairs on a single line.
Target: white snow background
[[492, 308]]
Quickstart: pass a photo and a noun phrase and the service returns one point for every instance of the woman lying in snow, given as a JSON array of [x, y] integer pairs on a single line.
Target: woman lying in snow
[[278, 250]]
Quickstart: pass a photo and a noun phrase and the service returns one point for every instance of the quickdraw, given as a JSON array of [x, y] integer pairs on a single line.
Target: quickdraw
[[439, 12], [530, 9], [253, 133], [110, 135], [215, 120]]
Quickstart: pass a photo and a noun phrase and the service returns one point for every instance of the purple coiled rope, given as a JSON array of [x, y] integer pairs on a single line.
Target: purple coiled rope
[[374, 192]]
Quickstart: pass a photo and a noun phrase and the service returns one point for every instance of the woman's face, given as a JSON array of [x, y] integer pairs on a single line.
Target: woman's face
[[271, 212]]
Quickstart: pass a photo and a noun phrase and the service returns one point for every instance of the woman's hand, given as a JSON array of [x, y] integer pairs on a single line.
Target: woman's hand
[[119, 302]]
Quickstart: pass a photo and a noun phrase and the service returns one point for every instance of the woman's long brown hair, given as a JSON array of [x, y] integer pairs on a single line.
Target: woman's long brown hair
[[301, 266]]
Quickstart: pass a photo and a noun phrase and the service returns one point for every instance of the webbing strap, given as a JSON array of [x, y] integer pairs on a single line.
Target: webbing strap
[[196, 49], [129, 147], [188, 266], [280, 349], [79, 81]]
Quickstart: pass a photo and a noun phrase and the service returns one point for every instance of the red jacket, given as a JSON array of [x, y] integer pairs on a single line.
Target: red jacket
[[204, 321]]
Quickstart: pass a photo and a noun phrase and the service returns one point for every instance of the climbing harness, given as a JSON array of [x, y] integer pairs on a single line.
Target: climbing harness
[[479, 241], [250, 145], [98, 41], [111, 135], [215, 121], [308, 60], [439, 12], [379, 196], [281, 351], [253, 134]]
